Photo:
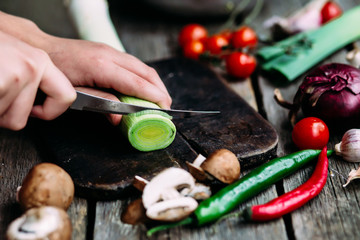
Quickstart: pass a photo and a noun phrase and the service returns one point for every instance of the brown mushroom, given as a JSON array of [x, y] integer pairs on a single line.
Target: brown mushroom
[[46, 185], [222, 164], [43, 223], [134, 213]]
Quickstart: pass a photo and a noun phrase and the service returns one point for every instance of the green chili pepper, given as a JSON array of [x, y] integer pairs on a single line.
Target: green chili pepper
[[246, 187]]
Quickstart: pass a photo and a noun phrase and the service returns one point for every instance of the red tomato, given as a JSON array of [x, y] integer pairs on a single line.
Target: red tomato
[[193, 49], [227, 34], [240, 64], [244, 37], [329, 11], [216, 43], [310, 133], [192, 32]]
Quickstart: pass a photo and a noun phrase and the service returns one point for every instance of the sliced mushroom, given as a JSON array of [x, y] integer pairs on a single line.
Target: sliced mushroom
[[199, 192], [162, 199], [222, 164], [46, 184], [172, 210], [166, 186], [43, 223]]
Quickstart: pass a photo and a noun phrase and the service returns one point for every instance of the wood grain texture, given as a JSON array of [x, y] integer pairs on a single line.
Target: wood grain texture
[[17, 156]]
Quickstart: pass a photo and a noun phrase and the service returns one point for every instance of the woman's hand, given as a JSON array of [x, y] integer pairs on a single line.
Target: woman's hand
[[23, 70], [85, 64], [89, 64]]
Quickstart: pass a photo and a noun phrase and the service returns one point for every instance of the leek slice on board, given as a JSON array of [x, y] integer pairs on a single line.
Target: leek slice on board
[[147, 130], [310, 47]]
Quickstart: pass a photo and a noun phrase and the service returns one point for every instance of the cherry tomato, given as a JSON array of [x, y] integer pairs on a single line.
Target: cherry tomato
[[244, 37], [310, 133], [192, 32], [216, 43], [227, 34], [329, 11], [193, 49], [240, 64]]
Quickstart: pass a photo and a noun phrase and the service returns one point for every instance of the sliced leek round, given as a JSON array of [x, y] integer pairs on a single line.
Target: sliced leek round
[[147, 130]]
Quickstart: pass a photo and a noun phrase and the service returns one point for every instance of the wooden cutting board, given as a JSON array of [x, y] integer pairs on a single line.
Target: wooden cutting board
[[103, 164]]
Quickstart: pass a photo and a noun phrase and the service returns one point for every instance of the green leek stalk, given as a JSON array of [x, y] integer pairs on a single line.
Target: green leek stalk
[[293, 56], [147, 130]]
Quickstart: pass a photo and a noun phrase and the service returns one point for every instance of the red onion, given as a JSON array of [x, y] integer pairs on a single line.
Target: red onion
[[331, 93]]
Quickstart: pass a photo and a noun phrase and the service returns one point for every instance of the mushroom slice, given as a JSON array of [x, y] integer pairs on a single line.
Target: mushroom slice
[[50, 223], [172, 210], [199, 192], [166, 186]]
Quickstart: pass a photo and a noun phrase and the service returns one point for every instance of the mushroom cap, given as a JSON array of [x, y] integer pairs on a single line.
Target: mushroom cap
[[223, 165], [46, 185], [43, 223]]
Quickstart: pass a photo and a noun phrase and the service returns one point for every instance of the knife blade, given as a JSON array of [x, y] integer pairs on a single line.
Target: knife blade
[[88, 102]]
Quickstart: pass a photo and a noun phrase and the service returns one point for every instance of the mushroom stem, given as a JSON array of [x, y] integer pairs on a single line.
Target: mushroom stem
[[199, 160], [139, 183]]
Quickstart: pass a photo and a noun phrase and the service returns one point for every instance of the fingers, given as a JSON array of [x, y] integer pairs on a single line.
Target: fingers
[[129, 83], [60, 94], [17, 114], [138, 67], [102, 66], [23, 70]]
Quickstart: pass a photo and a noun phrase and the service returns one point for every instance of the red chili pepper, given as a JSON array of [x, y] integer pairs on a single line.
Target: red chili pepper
[[294, 199]]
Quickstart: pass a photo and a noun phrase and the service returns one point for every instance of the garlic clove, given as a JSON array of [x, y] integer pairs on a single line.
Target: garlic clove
[[353, 57], [349, 147], [354, 174]]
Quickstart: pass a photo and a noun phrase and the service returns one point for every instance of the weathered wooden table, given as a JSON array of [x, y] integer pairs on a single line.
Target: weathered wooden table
[[151, 35]]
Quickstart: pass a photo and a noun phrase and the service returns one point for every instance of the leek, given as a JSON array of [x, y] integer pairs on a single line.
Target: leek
[[147, 130], [310, 47]]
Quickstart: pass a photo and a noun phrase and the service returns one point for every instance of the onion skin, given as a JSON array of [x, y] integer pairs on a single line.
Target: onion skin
[[331, 93]]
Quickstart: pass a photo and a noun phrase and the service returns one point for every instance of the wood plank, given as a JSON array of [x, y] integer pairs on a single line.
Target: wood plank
[[78, 213], [17, 156], [109, 226]]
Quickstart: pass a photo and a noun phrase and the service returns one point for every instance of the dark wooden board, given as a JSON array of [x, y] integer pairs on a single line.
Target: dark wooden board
[[103, 164]]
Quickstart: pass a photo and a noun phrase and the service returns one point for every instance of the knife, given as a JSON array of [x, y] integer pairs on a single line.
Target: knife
[[88, 102]]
